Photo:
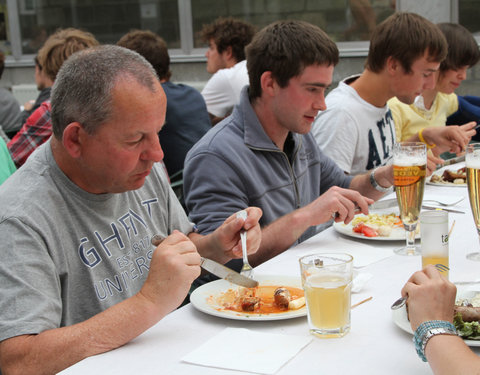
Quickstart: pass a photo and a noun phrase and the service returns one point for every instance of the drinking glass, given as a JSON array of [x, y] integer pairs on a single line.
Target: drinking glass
[[409, 170], [327, 282], [434, 239], [472, 162]]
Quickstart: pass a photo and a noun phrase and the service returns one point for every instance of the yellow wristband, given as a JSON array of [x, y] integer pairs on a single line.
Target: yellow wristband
[[420, 136]]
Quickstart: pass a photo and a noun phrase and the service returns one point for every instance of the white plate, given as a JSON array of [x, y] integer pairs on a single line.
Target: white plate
[[453, 167], [200, 299], [400, 317], [397, 234]]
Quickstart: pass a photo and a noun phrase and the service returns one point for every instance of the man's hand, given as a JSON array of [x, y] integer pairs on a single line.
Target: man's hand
[[342, 204], [28, 105], [175, 265], [432, 163], [228, 234], [452, 138], [430, 297], [224, 243]]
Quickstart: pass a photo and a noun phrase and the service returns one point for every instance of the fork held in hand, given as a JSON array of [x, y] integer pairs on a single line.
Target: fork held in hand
[[401, 301], [247, 269]]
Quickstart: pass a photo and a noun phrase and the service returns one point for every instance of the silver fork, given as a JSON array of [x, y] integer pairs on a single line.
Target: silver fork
[[443, 203], [247, 269], [401, 301]]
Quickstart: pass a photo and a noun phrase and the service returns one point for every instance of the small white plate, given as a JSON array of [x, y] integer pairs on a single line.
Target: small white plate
[[202, 300]]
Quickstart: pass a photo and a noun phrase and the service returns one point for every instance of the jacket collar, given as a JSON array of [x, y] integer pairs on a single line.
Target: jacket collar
[[254, 134]]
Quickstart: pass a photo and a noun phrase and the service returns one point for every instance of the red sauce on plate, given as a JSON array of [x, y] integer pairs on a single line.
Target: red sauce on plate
[[232, 299]]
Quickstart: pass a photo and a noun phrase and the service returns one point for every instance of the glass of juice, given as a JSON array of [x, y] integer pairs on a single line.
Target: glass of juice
[[434, 239], [327, 282]]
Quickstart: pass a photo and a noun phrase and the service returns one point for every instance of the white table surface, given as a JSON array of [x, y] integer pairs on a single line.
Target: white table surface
[[375, 345]]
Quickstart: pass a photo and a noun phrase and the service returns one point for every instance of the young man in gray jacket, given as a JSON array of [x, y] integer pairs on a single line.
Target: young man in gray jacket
[[264, 154]]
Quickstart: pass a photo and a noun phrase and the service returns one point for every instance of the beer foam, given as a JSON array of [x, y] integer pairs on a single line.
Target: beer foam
[[472, 161], [409, 160]]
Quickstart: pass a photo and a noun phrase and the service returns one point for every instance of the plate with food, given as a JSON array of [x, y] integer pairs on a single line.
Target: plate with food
[[378, 226], [448, 176], [466, 316], [275, 298]]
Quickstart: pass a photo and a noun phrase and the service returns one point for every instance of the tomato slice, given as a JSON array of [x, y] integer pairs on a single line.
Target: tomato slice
[[369, 232], [358, 228]]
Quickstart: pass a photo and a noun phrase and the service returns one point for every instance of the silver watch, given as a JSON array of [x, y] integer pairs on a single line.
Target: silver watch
[[375, 184], [433, 332]]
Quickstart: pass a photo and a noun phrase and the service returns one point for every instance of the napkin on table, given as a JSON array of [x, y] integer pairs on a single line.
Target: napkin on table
[[246, 350]]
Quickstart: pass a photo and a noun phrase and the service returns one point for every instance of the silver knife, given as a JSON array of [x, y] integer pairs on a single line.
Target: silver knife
[[386, 203], [441, 208], [451, 161], [466, 282], [226, 273], [216, 268]]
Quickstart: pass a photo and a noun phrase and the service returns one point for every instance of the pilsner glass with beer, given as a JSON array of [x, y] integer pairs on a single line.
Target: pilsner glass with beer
[[409, 171], [472, 162], [327, 281]]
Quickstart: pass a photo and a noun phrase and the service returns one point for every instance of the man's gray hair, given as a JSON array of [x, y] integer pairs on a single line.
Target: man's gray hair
[[82, 91]]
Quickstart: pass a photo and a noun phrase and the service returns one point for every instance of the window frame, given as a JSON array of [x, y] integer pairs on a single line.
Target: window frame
[[187, 52]]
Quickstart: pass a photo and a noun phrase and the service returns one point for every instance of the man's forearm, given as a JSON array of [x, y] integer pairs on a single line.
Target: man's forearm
[[54, 350]]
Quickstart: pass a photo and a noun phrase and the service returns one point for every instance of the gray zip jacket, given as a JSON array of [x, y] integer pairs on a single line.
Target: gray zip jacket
[[236, 165]]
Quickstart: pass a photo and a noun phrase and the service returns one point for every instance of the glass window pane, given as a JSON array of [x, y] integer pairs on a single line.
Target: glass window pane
[[469, 14], [108, 20], [343, 20], [5, 45]]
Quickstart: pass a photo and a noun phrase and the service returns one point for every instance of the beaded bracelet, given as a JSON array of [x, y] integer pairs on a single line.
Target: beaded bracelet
[[427, 330], [420, 136]]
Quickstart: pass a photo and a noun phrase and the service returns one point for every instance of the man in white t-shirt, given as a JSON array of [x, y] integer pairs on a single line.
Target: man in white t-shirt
[[227, 38], [357, 128]]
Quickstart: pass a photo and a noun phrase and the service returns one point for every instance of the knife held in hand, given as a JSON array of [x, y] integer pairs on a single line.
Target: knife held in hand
[[217, 269]]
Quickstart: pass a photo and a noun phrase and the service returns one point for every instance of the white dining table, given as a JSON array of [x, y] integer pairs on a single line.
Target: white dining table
[[374, 345]]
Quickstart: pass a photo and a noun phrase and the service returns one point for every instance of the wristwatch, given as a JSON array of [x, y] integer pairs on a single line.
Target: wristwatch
[[433, 332], [375, 184]]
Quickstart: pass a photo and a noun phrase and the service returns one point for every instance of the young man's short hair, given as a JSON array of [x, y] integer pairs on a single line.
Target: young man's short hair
[[152, 47], [405, 37], [462, 48], [229, 32], [286, 48], [61, 45]]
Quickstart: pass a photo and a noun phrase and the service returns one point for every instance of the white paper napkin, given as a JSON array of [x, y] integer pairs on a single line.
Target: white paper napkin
[[246, 350], [359, 281]]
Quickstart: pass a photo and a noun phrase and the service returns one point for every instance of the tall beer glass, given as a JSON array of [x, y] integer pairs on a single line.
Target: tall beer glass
[[472, 162], [409, 170]]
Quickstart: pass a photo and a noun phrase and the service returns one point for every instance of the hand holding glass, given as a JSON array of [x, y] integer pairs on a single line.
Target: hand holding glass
[[409, 170]]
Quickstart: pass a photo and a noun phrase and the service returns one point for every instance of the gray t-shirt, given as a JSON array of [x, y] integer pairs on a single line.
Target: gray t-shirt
[[67, 254]]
